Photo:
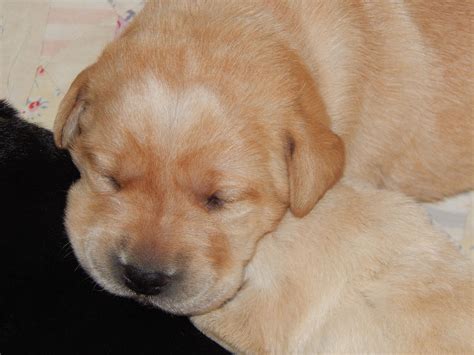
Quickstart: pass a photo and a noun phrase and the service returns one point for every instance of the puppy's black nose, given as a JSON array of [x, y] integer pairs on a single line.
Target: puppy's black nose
[[144, 282]]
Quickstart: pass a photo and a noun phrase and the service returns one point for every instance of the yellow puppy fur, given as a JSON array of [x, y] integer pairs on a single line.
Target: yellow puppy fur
[[206, 121]]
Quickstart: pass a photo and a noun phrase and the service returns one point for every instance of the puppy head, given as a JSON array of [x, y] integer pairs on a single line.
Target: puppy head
[[183, 171]]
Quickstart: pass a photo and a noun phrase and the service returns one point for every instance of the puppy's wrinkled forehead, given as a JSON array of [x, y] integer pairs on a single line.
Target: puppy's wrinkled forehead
[[154, 112]]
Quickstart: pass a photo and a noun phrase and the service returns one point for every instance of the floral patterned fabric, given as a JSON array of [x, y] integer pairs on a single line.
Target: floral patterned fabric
[[46, 43]]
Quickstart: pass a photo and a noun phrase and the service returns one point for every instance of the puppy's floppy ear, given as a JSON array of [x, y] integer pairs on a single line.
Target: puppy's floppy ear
[[66, 125], [315, 156]]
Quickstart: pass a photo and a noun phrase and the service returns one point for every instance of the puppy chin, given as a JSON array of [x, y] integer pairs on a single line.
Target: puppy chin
[[188, 307], [194, 301]]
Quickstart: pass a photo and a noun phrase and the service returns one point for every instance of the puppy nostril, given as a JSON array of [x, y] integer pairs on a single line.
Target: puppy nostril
[[144, 282]]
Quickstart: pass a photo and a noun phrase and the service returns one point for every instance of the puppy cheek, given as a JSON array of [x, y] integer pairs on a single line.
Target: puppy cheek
[[78, 223], [75, 224], [102, 265], [222, 271], [219, 255]]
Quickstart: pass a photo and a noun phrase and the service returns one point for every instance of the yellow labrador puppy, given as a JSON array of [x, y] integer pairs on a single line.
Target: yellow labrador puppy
[[206, 121]]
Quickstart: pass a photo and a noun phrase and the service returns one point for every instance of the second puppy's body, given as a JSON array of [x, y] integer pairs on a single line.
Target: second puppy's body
[[364, 272], [397, 82]]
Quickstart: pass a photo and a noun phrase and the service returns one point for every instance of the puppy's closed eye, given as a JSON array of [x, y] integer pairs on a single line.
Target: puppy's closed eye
[[214, 202]]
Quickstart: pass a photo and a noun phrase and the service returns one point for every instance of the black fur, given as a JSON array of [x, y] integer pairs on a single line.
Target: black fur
[[48, 305]]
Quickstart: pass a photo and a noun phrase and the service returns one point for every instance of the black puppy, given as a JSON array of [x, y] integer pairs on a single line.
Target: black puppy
[[48, 305]]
